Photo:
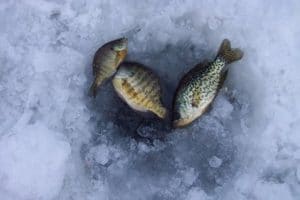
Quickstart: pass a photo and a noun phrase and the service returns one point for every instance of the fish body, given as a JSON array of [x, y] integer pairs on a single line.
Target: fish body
[[106, 61], [139, 87], [198, 88]]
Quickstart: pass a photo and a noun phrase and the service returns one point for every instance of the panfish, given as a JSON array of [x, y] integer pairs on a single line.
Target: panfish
[[106, 61], [198, 88], [139, 87]]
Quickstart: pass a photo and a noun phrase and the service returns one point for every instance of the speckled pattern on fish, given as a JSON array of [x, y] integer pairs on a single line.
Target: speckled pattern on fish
[[199, 86]]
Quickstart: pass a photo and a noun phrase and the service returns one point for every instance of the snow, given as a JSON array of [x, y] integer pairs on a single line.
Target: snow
[[57, 143], [32, 163]]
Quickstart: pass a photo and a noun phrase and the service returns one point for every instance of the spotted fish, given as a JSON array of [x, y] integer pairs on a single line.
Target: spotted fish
[[139, 87], [106, 61], [198, 88]]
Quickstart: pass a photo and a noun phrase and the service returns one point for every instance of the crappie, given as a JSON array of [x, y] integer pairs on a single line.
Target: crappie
[[106, 61], [139, 87], [198, 88]]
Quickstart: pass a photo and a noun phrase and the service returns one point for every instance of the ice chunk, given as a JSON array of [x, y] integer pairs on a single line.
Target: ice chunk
[[190, 176], [101, 154], [215, 162], [296, 154], [197, 194], [222, 108], [272, 191], [298, 173], [32, 162], [214, 23]]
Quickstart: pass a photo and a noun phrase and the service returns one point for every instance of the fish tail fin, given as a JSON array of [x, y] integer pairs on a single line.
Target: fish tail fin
[[161, 112], [94, 88], [229, 54]]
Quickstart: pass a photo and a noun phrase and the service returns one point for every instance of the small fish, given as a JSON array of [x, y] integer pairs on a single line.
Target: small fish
[[198, 88], [106, 61], [139, 87]]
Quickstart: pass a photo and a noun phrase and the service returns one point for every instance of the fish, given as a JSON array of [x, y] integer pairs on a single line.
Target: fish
[[198, 88], [106, 61], [140, 88]]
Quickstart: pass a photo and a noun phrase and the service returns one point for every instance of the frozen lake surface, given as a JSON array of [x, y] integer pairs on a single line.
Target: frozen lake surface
[[58, 143]]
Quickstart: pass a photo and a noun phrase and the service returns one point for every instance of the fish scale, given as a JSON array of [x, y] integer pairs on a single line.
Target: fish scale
[[139, 87], [198, 88]]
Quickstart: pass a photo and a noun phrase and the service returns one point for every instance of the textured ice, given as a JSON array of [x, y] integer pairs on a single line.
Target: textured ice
[[57, 143], [32, 163]]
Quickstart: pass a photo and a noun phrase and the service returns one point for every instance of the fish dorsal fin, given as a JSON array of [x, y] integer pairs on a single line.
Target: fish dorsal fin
[[194, 71], [200, 66]]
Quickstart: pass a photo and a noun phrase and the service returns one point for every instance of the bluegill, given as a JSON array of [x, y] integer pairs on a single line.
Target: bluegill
[[139, 87], [198, 88], [106, 61]]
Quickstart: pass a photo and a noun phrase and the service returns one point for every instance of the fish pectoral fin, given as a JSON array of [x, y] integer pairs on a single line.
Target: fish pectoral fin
[[195, 99], [120, 57], [201, 66]]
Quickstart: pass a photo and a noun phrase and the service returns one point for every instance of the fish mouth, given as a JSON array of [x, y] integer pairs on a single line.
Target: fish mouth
[[180, 123], [124, 39], [120, 44]]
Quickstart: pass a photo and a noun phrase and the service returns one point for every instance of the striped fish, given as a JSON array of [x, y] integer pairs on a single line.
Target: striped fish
[[139, 87], [106, 61], [198, 88]]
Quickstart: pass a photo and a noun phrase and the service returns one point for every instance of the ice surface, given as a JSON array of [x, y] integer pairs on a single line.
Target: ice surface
[[32, 163], [57, 143]]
